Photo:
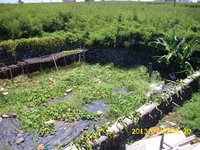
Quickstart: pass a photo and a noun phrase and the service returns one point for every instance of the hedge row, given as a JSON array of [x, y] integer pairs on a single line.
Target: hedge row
[[39, 46], [136, 39]]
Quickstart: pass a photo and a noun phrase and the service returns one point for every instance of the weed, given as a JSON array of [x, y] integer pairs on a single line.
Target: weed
[[28, 97]]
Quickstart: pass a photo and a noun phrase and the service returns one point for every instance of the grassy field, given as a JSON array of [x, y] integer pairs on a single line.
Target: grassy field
[[28, 96]]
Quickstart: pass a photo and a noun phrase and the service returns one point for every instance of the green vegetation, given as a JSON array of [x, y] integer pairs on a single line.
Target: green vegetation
[[73, 51], [39, 45], [28, 97], [178, 53], [46, 28], [188, 115], [59, 26]]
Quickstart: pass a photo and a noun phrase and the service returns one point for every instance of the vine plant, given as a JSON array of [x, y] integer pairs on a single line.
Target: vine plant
[[87, 140]]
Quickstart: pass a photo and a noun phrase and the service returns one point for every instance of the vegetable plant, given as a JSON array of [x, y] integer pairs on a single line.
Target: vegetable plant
[[177, 53]]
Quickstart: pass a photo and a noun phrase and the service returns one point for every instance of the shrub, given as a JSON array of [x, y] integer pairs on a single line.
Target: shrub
[[40, 46], [129, 25]]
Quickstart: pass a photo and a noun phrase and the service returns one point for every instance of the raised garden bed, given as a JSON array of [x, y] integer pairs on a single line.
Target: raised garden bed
[[52, 102]]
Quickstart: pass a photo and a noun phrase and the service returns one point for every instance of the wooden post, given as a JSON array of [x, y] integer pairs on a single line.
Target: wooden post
[[84, 56], [27, 68], [1, 60], [65, 61], [79, 57], [15, 58], [40, 66], [11, 75], [22, 69], [54, 62], [74, 59], [150, 70], [174, 3]]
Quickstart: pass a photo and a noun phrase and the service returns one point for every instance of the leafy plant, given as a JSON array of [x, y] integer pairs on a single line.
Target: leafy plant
[[178, 52]]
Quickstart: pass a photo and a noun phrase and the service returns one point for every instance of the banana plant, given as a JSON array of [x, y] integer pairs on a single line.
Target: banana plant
[[178, 53]]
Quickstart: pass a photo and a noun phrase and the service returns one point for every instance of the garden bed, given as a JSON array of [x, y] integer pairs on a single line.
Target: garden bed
[[48, 103], [114, 135]]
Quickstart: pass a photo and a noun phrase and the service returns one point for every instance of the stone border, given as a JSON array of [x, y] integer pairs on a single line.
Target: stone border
[[148, 114]]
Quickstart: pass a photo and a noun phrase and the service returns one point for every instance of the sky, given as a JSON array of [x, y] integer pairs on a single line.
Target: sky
[[36, 1], [27, 1]]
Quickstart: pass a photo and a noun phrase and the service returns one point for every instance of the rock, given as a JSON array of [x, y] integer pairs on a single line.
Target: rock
[[86, 128], [163, 127], [19, 135], [148, 94], [49, 122], [5, 93], [156, 87], [99, 113], [171, 113], [170, 124], [21, 131], [173, 124], [65, 94], [51, 80], [97, 81], [5, 116], [40, 147], [19, 140], [68, 90]]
